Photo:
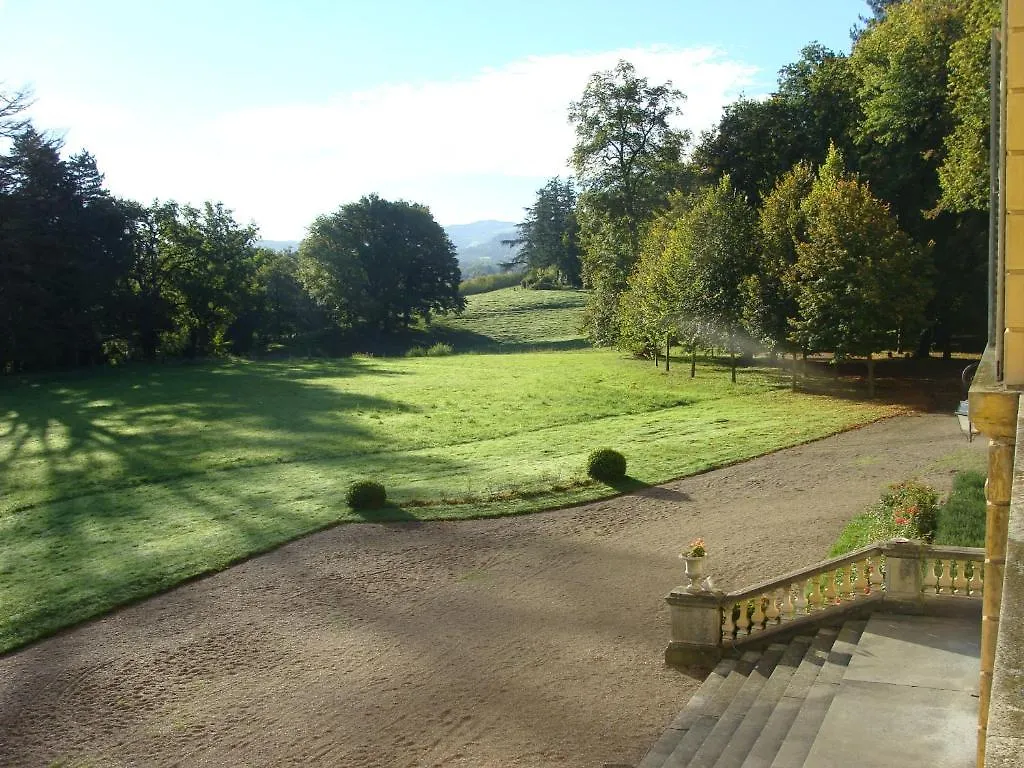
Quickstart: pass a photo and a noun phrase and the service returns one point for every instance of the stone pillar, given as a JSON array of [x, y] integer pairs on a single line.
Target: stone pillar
[[696, 628], [993, 409], [903, 577]]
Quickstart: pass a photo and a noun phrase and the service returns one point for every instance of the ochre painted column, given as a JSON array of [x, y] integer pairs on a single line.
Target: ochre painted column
[[994, 411]]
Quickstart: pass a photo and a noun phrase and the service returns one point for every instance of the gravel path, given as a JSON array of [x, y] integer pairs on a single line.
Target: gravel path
[[528, 641]]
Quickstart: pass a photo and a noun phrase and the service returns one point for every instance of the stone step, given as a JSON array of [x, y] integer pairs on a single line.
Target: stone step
[[712, 710], [753, 725], [720, 736], [801, 735], [764, 750], [910, 692], [663, 747]]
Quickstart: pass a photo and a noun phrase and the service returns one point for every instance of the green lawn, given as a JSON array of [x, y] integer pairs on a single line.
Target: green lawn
[[119, 483], [962, 517], [512, 319], [960, 520]]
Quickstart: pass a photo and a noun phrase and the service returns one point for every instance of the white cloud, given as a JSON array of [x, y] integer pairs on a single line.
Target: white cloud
[[282, 164]]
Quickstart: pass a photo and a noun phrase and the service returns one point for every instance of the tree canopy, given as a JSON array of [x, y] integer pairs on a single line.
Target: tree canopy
[[627, 160], [548, 237], [380, 264]]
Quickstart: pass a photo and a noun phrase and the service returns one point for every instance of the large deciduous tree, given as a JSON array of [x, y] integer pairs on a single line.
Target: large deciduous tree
[[963, 174], [757, 141], [922, 84], [208, 258], [723, 252], [381, 264], [627, 160], [862, 281], [771, 291]]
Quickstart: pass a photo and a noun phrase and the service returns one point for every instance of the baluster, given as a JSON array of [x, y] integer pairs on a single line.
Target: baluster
[[830, 585], [930, 582], [850, 576], [788, 607], [946, 579], [960, 582], [772, 614], [860, 586], [728, 626], [875, 577], [975, 583], [815, 598], [743, 622], [757, 620], [801, 597]]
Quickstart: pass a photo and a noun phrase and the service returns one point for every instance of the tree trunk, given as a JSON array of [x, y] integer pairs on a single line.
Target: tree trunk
[[668, 345], [693, 360], [871, 376], [732, 357], [794, 370]]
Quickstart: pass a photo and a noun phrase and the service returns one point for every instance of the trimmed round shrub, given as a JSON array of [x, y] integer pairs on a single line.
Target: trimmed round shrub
[[366, 494], [606, 465]]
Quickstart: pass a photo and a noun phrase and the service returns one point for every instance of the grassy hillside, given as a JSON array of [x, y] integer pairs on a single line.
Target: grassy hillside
[[122, 482], [513, 319]]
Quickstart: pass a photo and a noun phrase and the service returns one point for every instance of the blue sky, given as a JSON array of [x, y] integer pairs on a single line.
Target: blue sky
[[284, 110]]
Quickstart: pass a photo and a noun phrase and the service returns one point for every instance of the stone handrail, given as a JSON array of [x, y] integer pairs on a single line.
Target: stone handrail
[[899, 575]]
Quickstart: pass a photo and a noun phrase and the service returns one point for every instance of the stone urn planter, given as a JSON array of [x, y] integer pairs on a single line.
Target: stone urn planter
[[695, 573]]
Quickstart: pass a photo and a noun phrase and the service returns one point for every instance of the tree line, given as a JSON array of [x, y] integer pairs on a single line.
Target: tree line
[[89, 278], [846, 212]]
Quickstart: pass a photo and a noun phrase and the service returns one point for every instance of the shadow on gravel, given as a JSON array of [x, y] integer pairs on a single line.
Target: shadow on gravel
[[648, 491], [389, 513]]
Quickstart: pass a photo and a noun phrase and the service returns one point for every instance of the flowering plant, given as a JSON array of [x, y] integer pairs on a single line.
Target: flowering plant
[[907, 510], [696, 549]]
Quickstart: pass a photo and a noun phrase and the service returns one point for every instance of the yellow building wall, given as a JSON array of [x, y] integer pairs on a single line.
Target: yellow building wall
[[1013, 338]]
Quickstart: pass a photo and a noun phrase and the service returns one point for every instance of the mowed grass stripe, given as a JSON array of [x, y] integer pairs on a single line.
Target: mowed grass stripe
[[65, 561], [74, 435]]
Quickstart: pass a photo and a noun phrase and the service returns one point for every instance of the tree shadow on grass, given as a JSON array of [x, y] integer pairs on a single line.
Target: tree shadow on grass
[[107, 493], [74, 435], [930, 384]]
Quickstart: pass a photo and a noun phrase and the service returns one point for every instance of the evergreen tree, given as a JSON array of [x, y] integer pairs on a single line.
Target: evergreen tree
[[548, 237]]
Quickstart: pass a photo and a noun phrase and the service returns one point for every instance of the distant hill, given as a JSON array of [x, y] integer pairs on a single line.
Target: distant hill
[[479, 232], [478, 245]]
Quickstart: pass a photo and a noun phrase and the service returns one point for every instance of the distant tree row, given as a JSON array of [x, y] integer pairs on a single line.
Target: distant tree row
[[846, 212], [87, 278]]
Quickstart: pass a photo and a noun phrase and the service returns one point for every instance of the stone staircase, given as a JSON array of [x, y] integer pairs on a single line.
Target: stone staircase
[[885, 691]]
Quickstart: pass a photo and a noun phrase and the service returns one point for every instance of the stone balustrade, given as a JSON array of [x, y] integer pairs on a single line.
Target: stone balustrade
[[898, 575]]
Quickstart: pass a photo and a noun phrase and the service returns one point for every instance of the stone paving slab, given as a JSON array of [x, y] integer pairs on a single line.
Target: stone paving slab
[[907, 699], [877, 725], [923, 651]]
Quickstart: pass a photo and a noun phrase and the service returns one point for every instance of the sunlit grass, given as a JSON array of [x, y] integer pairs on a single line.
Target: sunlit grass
[[120, 483], [516, 317]]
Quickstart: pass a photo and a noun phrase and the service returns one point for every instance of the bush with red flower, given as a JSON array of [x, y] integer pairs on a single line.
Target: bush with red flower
[[907, 510]]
